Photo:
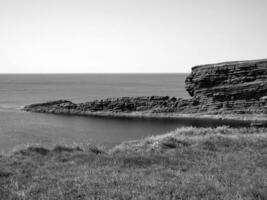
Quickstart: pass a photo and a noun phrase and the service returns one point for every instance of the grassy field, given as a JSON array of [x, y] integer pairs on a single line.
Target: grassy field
[[188, 163]]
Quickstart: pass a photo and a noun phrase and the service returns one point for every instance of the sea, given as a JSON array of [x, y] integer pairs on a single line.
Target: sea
[[19, 128]]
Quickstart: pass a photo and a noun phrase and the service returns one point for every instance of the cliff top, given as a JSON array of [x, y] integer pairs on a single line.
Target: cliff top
[[229, 63]]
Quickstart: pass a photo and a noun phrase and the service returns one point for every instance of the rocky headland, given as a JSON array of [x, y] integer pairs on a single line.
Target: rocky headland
[[229, 90]]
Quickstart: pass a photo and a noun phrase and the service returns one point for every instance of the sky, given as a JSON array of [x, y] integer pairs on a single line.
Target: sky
[[128, 36]]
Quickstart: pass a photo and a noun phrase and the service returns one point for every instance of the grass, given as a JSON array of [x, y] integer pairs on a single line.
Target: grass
[[188, 163]]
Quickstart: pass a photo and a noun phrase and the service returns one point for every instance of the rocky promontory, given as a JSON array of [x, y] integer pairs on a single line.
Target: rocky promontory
[[239, 87], [153, 104], [222, 89]]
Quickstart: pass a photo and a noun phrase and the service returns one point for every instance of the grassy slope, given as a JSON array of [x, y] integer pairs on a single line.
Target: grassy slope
[[188, 163]]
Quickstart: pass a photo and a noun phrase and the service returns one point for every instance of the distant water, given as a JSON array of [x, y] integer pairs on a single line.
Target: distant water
[[18, 127]]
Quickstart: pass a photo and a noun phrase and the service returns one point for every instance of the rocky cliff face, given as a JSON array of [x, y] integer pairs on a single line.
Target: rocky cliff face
[[229, 81], [237, 86]]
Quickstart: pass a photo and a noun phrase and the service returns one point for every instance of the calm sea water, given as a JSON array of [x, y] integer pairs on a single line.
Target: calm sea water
[[18, 127]]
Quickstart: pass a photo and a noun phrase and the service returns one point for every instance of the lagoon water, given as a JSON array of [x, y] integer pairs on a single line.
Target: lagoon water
[[19, 128]]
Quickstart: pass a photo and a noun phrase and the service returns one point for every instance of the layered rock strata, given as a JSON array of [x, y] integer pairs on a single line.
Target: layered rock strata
[[229, 81], [230, 86], [154, 104], [222, 88]]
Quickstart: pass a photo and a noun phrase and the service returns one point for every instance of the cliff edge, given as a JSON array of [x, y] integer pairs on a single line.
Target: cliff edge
[[239, 86]]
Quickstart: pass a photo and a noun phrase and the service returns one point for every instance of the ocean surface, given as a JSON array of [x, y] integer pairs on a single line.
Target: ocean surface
[[19, 128]]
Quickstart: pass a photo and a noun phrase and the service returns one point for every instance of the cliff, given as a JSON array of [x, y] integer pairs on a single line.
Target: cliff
[[230, 88], [239, 86], [229, 81]]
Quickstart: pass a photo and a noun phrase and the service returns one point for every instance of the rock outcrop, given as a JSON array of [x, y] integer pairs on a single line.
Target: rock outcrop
[[234, 86], [154, 104], [229, 81], [222, 88]]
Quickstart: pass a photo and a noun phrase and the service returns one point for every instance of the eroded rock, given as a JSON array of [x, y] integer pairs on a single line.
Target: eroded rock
[[222, 88]]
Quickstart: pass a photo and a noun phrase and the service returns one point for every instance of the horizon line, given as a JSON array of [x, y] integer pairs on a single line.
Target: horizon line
[[87, 73]]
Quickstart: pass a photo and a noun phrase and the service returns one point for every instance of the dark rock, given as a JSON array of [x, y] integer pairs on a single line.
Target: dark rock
[[59, 149], [174, 143], [240, 86], [229, 81], [5, 174], [257, 124], [34, 149], [223, 88]]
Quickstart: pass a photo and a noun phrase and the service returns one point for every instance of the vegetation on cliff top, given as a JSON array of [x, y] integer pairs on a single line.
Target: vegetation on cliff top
[[188, 163]]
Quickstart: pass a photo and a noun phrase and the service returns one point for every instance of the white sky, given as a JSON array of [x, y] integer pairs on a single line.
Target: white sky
[[76, 36]]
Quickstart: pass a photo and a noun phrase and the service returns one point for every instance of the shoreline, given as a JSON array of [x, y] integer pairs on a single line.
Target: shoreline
[[222, 91], [245, 118]]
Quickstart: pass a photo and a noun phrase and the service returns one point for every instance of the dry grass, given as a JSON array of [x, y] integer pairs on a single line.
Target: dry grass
[[188, 163]]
